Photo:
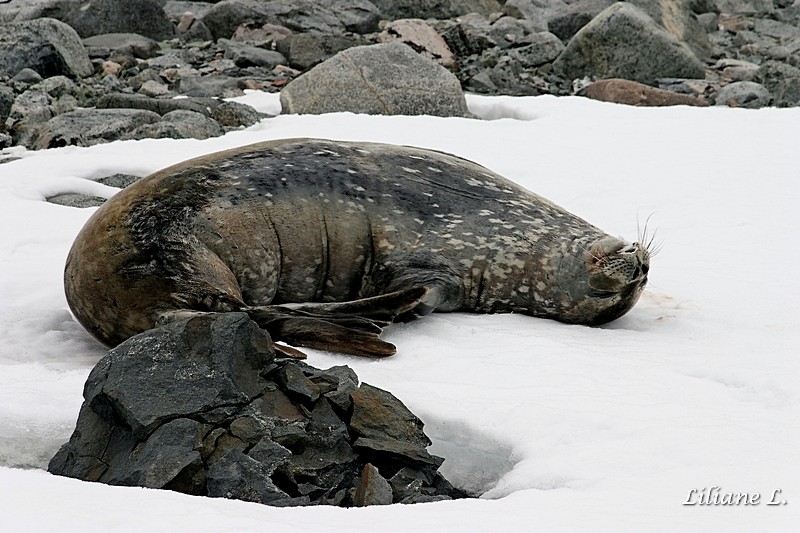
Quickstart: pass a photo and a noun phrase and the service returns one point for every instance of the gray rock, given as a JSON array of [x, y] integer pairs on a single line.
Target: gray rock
[[245, 55], [19, 10], [388, 79], [7, 98], [321, 16], [27, 76], [304, 50], [436, 9], [746, 7], [199, 406], [46, 45], [76, 200], [175, 9], [87, 127], [209, 86], [204, 106], [744, 94], [145, 17], [377, 414], [178, 124], [623, 42], [470, 34], [569, 19], [119, 180], [33, 108], [536, 11], [235, 115], [544, 48], [782, 81], [129, 43]]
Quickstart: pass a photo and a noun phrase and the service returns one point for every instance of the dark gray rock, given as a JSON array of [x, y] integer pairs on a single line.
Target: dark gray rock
[[119, 180], [128, 43], [7, 98], [202, 406], [245, 55], [437, 9], [744, 94], [305, 50], [27, 76], [41, 102], [178, 124], [76, 200], [20, 10], [623, 42], [543, 48], [201, 105], [782, 81], [45, 45], [321, 16], [568, 20], [87, 127], [209, 86], [388, 79], [538, 12], [145, 17], [746, 7], [235, 115]]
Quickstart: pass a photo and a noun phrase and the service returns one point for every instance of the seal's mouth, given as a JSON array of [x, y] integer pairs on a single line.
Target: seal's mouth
[[615, 266]]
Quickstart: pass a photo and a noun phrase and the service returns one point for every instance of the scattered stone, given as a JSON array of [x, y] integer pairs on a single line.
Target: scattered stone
[[6, 101], [624, 42], [154, 89], [210, 86], [32, 109], [176, 9], [46, 45], [744, 94], [266, 36], [80, 201], [235, 115], [388, 79], [544, 48], [568, 20], [305, 50], [436, 9], [119, 180], [178, 124], [417, 34], [160, 106], [628, 92], [745, 7], [782, 81], [245, 55], [27, 76], [736, 69], [203, 406], [145, 17], [128, 43], [87, 127], [320, 16]]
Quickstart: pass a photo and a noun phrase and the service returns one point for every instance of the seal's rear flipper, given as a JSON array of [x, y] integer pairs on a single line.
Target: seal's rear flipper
[[355, 336]]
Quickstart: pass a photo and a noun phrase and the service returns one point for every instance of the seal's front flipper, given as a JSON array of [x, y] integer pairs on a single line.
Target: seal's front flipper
[[383, 308]]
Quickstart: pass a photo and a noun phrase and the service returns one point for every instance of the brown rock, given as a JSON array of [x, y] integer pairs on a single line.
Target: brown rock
[[628, 92], [417, 34]]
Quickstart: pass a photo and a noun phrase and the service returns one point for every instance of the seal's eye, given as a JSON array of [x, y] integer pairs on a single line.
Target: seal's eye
[[645, 269]]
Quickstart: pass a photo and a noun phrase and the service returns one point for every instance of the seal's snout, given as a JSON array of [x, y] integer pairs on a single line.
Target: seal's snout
[[614, 265]]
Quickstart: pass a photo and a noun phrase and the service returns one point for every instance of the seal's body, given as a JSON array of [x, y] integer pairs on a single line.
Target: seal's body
[[389, 230]]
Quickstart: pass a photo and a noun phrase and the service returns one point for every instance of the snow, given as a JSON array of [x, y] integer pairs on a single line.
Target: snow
[[561, 427]]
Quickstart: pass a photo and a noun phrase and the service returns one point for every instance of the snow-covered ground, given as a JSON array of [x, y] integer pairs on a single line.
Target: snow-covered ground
[[563, 427]]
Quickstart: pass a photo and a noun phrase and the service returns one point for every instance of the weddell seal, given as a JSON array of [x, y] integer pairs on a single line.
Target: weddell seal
[[323, 243]]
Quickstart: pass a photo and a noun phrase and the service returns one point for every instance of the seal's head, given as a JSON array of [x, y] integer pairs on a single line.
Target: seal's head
[[603, 281]]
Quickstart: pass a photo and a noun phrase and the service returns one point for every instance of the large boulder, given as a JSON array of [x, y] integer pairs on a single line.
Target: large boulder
[[315, 16], [145, 17], [203, 406], [381, 79], [45, 45], [624, 42]]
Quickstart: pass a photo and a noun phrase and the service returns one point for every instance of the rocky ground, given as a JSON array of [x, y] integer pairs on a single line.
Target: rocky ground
[[74, 72]]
